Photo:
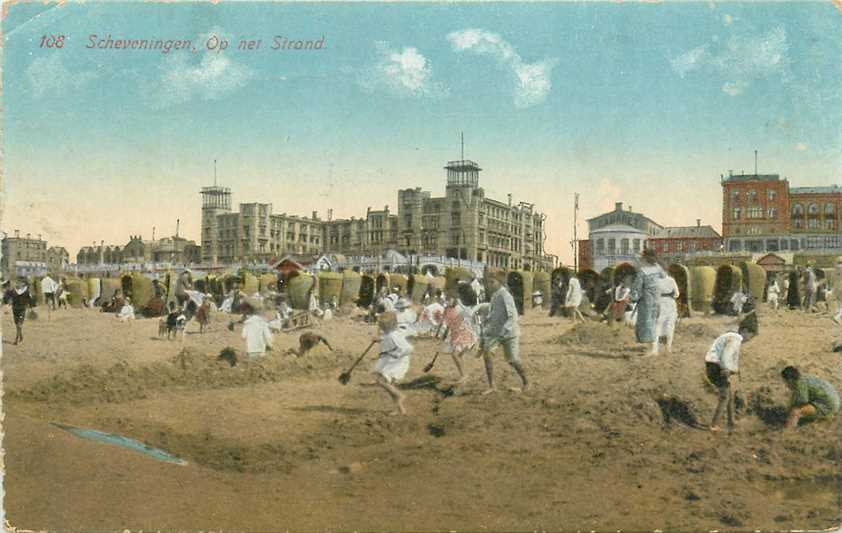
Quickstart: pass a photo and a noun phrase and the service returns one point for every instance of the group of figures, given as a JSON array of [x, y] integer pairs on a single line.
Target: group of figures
[[464, 322]]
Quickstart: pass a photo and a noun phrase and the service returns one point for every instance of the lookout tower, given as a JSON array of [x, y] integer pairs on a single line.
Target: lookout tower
[[216, 200]]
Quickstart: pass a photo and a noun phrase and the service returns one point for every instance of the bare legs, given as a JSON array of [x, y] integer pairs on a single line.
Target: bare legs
[[797, 413], [394, 393], [726, 399]]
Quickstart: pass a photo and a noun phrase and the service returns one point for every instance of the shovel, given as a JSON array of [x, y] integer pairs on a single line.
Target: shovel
[[345, 377]]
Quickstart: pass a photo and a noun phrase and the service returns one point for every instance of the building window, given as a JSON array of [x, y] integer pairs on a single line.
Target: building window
[[793, 245], [679, 246], [784, 244], [735, 195], [772, 213], [624, 246], [755, 212], [735, 246], [828, 210], [770, 194], [612, 246], [828, 223], [736, 214], [752, 195], [813, 209], [812, 223], [600, 245], [637, 245], [797, 210], [666, 246]]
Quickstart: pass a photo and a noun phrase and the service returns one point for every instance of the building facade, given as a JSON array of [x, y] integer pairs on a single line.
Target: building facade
[[620, 236], [57, 259], [463, 224], [23, 256], [762, 213]]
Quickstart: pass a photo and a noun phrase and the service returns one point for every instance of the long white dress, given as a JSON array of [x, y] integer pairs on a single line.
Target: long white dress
[[574, 293], [667, 308]]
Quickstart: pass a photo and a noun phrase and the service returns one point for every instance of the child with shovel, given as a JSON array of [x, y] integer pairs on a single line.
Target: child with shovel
[[460, 334], [393, 363]]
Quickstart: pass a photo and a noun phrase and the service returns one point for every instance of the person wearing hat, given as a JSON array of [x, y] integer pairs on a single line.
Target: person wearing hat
[[645, 293], [722, 362], [812, 398], [127, 311], [256, 331], [20, 298], [406, 316]]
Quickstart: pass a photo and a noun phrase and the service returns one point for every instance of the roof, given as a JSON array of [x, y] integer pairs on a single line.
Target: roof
[[687, 232], [613, 228], [816, 190], [753, 177]]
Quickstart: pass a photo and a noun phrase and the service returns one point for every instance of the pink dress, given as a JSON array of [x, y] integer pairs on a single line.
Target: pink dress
[[460, 333]]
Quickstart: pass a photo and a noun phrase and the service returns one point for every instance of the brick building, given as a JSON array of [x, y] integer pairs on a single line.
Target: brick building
[[675, 243], [762, 213]]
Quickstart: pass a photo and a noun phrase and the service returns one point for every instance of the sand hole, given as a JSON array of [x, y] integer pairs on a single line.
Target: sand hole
[[675, 409]]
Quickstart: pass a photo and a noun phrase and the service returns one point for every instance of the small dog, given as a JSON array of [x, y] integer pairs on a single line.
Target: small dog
[[308, 341]]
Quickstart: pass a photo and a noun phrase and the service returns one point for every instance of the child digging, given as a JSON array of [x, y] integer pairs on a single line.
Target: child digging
[[393, 362], [722, 361]]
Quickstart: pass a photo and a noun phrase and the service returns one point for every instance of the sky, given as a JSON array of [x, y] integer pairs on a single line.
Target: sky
[[648, 104]]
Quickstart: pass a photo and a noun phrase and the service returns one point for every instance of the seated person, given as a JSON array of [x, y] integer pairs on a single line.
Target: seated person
[[812, 398]]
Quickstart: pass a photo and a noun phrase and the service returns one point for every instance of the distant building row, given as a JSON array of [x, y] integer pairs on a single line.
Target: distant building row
[[462, 224], [30, 256], [174, 250]]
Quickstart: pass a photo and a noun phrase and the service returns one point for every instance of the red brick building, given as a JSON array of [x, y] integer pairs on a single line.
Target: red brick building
[[673, 243], [762, 213]]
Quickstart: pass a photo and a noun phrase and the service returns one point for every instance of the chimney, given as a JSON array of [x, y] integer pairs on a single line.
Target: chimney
[[177, 224], [618, 206], [102, 243], [314, 215], [17, 234], [510, 199], [698, 222], [630, 209], [39, 236]]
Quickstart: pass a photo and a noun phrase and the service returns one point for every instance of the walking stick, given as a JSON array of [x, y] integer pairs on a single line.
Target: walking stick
[[345, 377]]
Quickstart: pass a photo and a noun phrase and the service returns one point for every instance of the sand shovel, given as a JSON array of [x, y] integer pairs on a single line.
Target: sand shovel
[[345, 377], [432, 363]]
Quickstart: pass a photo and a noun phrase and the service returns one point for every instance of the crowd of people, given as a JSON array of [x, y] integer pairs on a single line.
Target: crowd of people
[[469, 320]]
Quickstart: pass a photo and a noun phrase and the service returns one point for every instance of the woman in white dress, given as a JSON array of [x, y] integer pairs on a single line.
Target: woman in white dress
[[574, 299], [667, 312]]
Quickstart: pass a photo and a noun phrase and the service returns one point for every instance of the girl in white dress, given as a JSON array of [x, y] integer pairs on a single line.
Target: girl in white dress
[[393, 363], [667, 312]]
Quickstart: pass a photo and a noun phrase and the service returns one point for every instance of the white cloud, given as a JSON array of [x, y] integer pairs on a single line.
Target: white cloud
[[214, 76], [801, 147], [47, 75], [739, 59], [404, 73], [532, 80], [689, 60], [727, 19], [733, 88]]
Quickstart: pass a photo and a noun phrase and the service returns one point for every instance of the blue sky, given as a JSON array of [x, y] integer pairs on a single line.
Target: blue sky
[[642, 103]]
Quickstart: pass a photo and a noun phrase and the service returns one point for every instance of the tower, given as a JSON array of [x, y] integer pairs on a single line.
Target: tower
[[216, 200]]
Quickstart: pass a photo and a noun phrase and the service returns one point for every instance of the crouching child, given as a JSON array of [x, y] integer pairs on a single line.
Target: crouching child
[[722, 362]]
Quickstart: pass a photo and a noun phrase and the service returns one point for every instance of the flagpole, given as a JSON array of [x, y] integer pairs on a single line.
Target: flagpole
[[575, 233]]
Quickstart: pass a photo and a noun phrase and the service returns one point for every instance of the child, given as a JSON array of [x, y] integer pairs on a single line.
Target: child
[[406, 316], [723, 361], [127, 311], [812, 398], [20, 298], [461, 334], [203, 315], [255, 331], [773, 294], [172, 321], [500, 328], [393, 362]]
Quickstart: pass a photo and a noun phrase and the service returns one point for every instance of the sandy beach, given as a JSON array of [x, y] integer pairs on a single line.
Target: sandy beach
[[604, 440]]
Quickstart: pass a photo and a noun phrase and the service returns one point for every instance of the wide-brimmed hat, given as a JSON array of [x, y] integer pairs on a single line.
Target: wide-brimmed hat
[[402, 304]]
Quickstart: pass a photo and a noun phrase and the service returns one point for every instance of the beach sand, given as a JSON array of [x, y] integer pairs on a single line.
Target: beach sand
[[602, 442]]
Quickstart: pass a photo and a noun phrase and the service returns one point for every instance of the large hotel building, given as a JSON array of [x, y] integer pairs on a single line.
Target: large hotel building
[[762, 213], [463, 224]]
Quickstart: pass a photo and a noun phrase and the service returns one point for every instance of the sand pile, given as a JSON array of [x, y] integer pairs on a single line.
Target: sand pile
[[598, 336], [190, 368]]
